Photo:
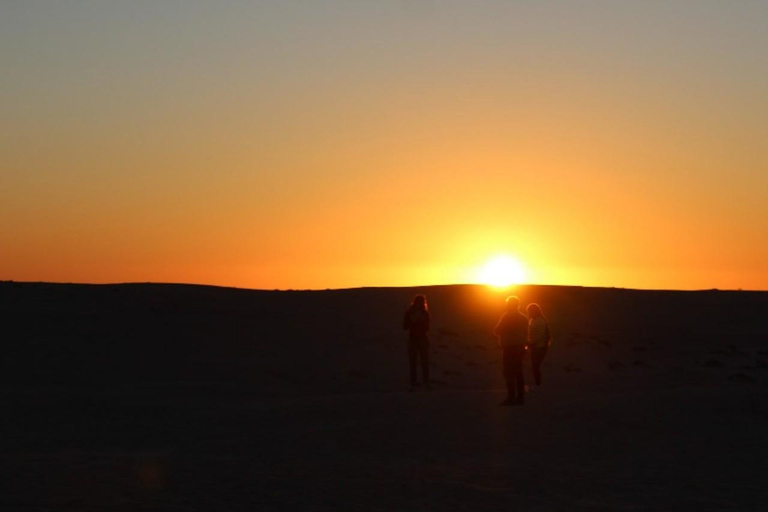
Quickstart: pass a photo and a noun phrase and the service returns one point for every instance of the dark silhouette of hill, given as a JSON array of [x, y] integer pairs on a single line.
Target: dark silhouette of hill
[[265, 342], [174, 397]]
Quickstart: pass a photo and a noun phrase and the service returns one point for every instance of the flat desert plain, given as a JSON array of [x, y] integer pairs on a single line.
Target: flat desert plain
[[178, 397]]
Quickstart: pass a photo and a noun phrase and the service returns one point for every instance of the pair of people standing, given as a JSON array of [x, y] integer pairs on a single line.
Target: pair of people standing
[[517, 333]]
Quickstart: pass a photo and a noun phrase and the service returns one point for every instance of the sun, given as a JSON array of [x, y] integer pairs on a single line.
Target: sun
[[502, 271]]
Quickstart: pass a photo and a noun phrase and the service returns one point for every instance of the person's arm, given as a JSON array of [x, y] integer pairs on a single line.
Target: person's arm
[[538, 332], [531, 332]]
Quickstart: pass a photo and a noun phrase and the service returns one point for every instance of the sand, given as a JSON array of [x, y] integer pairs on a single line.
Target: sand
[[171, 397]]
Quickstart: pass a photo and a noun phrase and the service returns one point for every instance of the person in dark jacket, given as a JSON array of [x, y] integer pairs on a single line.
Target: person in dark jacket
[[416, 321], [512, 331]]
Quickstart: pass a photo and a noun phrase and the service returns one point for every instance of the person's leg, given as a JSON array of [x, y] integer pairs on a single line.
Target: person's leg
[[424, 355], [412, 354], [506, 368], [517, 376], [537, 358]]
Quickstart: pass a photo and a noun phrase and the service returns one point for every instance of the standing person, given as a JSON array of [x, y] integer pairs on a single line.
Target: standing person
[[512, 331], [539, 339], [416, 321]]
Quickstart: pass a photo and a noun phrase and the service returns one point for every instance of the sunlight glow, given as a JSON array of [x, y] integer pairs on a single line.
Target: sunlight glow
[[502, 271]]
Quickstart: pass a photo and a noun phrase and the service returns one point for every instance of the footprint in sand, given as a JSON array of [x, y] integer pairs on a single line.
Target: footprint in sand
[[736, 350], [605, 343], [741, 378]]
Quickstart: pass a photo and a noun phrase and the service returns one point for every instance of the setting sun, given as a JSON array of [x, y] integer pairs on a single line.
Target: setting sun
[[502, 271]]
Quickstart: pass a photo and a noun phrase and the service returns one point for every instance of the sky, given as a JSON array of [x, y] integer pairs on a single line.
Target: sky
[[335, 144]]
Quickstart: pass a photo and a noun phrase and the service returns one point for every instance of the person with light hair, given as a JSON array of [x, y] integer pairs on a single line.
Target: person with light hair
[[539, 339]]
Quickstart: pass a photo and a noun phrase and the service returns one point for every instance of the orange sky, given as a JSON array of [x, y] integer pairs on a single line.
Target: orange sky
[[288, 145]]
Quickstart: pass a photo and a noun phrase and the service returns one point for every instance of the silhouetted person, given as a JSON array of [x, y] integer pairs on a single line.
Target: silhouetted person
[[512, 331], [416, 320], [538, 339]]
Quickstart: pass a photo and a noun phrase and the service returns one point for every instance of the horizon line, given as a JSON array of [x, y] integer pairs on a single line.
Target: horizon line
[[327, 289]]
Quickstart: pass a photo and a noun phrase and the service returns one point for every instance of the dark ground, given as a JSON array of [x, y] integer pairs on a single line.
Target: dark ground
[[172, 397]]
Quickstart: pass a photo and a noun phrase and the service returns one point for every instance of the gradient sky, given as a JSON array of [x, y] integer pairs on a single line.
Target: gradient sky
[[323, 144]]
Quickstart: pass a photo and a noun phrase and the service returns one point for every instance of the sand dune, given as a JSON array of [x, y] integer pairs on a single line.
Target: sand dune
[[174, 397]]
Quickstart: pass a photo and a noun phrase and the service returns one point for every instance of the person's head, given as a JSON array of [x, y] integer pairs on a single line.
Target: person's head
[[513, 303], [534, 311], [419, 301]]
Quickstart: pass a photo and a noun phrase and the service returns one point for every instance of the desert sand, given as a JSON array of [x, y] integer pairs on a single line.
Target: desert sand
[[180, 397]]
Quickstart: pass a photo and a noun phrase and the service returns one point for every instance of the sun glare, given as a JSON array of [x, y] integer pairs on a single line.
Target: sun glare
[[502, 271]]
